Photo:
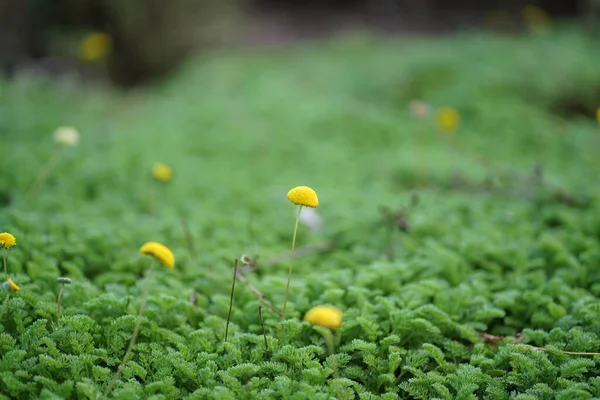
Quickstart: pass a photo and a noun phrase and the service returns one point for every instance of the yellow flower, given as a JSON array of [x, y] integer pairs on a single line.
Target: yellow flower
[[447, 119], [7, 240], [159, 251], [162, 172], [13, 287], [537, 19], [327, 316], [95, 46], [66, 135], [303, 196], [598, 115]]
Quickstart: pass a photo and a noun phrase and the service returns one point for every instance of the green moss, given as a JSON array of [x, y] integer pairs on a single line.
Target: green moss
[[504, 246]]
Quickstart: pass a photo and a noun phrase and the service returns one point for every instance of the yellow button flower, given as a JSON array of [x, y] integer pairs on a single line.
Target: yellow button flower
[[598, 115], [95, 46], [447, 119], [327, 316], [162, 172], [12, 286], [159, 251], [537, 19], [303, 196], [7, 240]]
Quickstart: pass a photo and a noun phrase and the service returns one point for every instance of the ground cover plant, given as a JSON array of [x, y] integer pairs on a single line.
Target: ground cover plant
[[465, 263]]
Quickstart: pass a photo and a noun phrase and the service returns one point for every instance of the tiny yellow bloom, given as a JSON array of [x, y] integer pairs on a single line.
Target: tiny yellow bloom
[[95, 46], [598, 115], [66, 136], [303, 196], [7, 240], [12, 286], [537, 19], [159, 251], [447, 119], [327, 316], [162, 172]]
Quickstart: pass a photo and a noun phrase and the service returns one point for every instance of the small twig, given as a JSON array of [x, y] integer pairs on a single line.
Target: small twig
[[573, 353], [193, 298], [262, 324], [235, 272], [495, 339], [60, 293], [258, 294]]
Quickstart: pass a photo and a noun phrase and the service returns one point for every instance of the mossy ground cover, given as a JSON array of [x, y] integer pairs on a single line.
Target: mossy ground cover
[[488, 249]]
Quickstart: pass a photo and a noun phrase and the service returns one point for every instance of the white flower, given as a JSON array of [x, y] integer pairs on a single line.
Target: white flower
[[311, 218], [419, 108], [66, 136]]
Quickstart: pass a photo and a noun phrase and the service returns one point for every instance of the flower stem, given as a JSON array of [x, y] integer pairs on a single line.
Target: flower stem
[[287, 287], [43, 176], [330, 342], [152, 197], [5, 270], [258, 293], [235, 266], [262, 324], [136, 330], [60, 293], [5, 304]]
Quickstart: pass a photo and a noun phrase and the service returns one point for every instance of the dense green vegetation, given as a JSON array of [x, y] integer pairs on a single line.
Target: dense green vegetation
[[493, 231]]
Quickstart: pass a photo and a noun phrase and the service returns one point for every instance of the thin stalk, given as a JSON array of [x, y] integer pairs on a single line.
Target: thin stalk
[[152, 197], [258, 294], [136, 330], [5, 270], [5, 304], [60, 293], [330, 342], [43, 176], [421, 164], [287, 287], [235, 266], [189, 237], [573, 353], [262, 324]]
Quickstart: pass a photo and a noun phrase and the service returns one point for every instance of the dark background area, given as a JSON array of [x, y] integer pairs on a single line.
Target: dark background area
[[151, 37]]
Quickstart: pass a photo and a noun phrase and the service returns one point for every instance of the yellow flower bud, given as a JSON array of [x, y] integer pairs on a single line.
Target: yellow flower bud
[[95, 46], [447, 119], [159, 251], [7, 240], [303, 196], [327, 316], [162, 172], [12, 286]]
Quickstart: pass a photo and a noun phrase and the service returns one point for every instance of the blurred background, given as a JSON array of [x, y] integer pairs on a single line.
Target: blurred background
[[132, 42]]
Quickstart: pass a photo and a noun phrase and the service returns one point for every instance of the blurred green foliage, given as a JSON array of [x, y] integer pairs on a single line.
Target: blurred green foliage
[[500, 225]]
